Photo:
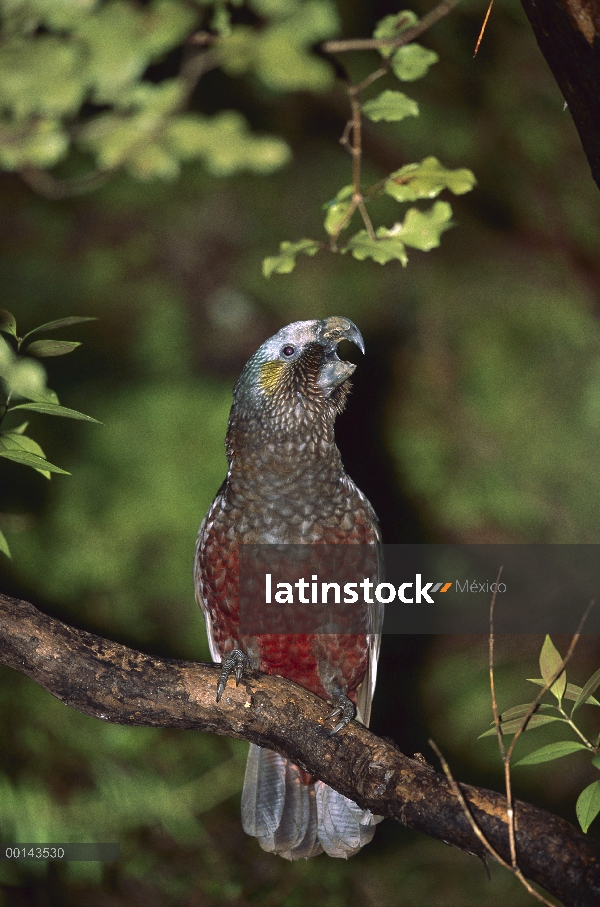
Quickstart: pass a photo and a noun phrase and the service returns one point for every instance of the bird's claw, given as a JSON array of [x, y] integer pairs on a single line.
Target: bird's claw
[[235, 663], [344, 707]]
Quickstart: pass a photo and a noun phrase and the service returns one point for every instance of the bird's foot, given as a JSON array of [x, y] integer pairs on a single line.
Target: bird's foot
[[235, 663], [342, 707]]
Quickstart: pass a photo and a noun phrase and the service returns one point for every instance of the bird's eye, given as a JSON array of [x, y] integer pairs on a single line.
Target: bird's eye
[[288, 351]]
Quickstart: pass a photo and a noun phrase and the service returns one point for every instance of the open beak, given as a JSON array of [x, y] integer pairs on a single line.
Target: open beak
[[334, 371]]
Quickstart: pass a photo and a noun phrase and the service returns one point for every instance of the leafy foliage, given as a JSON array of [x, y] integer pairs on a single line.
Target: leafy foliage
[[285, 262], [73, 79], [523, 718], [278, 54], [419, 229], [23, 378]]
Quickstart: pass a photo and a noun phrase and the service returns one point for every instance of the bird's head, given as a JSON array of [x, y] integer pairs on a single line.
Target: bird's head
[[298, 372]]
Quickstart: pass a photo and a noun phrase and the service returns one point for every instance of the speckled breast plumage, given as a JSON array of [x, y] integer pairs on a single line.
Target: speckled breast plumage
[[340, 515]]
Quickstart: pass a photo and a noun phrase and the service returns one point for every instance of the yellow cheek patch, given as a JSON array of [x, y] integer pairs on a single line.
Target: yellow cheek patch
[[271, 374]]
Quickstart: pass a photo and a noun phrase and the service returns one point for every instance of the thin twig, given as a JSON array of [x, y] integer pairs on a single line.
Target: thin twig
[[356, 145], [368, 80], [351, 139], [55, 189], [196, 64], [437, 13], [506, 754], [552, 680], [477, 831], [582, 737], [485, 22], [366, 219], [497, 722], [202, 39], [510, 812], [465, 806]]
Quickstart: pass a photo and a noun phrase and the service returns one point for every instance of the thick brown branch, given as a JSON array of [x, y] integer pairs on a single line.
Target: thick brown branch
[[568, 33], [114, 683]]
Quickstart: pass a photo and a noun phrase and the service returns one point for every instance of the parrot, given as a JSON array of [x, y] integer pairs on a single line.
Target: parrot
[[286, 485]]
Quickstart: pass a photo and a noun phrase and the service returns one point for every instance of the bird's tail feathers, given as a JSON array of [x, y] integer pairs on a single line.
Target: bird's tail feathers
[[298, 820]]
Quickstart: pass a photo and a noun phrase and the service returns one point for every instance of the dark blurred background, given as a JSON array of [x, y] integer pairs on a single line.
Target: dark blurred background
[[475, 416]]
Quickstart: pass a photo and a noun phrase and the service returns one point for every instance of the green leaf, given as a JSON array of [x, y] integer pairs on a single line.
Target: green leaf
[[4, 545], [392, 26], [151, 99], [221, 20], [412, 62], [511, 727], [596, 761], [337, 210], [57, 14], [386, 247], [52, 409], [391, 106], [16, 440], [285, 262], [518, 711], [30, 459], [426, 180], [41, 76], [588, 805], [45, 396], [280, 53], [285, 64], [59, 323], [120, 40], [42, 348], [22, 376], [551, 751], [550, 662], [572, 691], [37, 142], [8, 324], [585, 694], [225, 143], [423, 229]]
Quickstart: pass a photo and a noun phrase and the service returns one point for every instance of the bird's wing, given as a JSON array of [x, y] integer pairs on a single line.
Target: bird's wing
[[198, 579], [364, 694]]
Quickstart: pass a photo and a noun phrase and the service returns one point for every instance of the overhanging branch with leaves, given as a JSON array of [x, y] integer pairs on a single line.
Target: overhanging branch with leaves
[[114, 683]]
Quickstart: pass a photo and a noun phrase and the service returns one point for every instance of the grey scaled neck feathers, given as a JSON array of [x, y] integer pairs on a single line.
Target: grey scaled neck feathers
[[280, 438]]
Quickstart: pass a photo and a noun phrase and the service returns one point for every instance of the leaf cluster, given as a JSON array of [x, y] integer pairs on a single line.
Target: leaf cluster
[[425, 180], [511, 722], [73, 78], [23, 377]]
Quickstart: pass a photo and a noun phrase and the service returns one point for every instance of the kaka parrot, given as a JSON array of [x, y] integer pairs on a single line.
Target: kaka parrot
[[286, 485]]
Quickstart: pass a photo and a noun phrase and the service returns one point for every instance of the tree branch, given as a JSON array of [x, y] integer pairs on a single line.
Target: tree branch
[[568, 34], [114, 683]]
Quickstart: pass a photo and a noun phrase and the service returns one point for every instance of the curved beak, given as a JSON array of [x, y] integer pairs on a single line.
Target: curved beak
[[336, 328], [334, 371]]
